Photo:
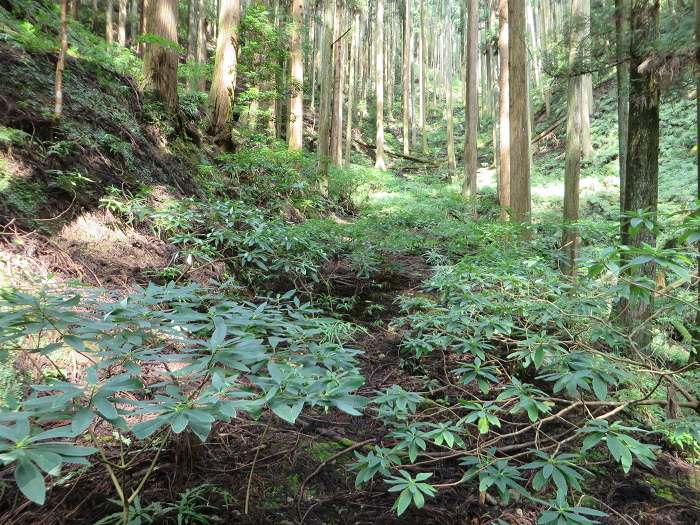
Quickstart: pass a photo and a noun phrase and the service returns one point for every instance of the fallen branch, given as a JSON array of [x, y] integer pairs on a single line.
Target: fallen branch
[[366, 146]]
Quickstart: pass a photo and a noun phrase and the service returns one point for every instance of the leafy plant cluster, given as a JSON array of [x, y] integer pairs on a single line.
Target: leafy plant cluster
[[163, 361], [532, 375]]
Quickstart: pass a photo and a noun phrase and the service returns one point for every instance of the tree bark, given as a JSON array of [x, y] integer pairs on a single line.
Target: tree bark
[[352, 82], [518, 114], [223, 84], [470, 103], [572, 171], [503, 111], [95, 16], [296, 105], [421, 81], [61, 62], [697, 140], [621, 51], [192, 40], [324, 131], [338, 80], [449, 110], [109, 23], [587, 93], [201, 58], [406, 76], [379, 84], [121, 22], [641, 181]]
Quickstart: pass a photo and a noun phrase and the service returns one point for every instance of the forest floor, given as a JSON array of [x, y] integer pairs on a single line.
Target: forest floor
[[114, 198], [258, 471]]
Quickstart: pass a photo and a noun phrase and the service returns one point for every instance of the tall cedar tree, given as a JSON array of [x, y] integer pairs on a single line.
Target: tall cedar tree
[[642, 177], [379, 85], [324, 128], [503, 109], [518, 113], [406, 75], [470, 103], [161, 58], [223, 83], [572, 170], [61, 62], [296, 64]]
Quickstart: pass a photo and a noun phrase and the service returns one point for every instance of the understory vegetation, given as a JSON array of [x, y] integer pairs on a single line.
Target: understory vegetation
[[200, 334]]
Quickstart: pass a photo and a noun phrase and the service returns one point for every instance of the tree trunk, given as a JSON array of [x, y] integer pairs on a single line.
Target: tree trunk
[[95, 16], [324, 127], [133, 23], [641, 181], [587, 89], [202, 45], [223, 83], [143, 23], [421, 81], [518, 114], [338, 78], [572, 171], [379, 83], [503, 111], [109, 24], [160, 62], [449, 110], [470, 103], [192, 41], [296, 104], [697, 139], [406, 74], [121, 22], [352, 82], [622, 48], [61, 62]]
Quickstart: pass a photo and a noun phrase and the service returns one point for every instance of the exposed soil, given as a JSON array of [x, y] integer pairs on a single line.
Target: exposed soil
[[104, 136], [268, 462]]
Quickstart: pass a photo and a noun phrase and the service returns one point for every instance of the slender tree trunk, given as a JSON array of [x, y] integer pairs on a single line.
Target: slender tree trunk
[[95, 16], [337, 119], [133, 23], [641, 181], [61, 62], [160, 62], [201, 58], [447, 73], [586, 141], [223, 84], [143, 24], [470, 103], [503, 111], [570, 238], [74, 9], [192, 38], [296, 105], [324, 131], [421, 80], [109, 23], [352, 83], [379, 83], [317, 40], [121, 22], [406, 74], [622, 49], [518, 113], [697, 139]]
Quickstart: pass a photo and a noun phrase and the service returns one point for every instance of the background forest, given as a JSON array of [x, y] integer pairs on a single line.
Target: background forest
[[333, 262]]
